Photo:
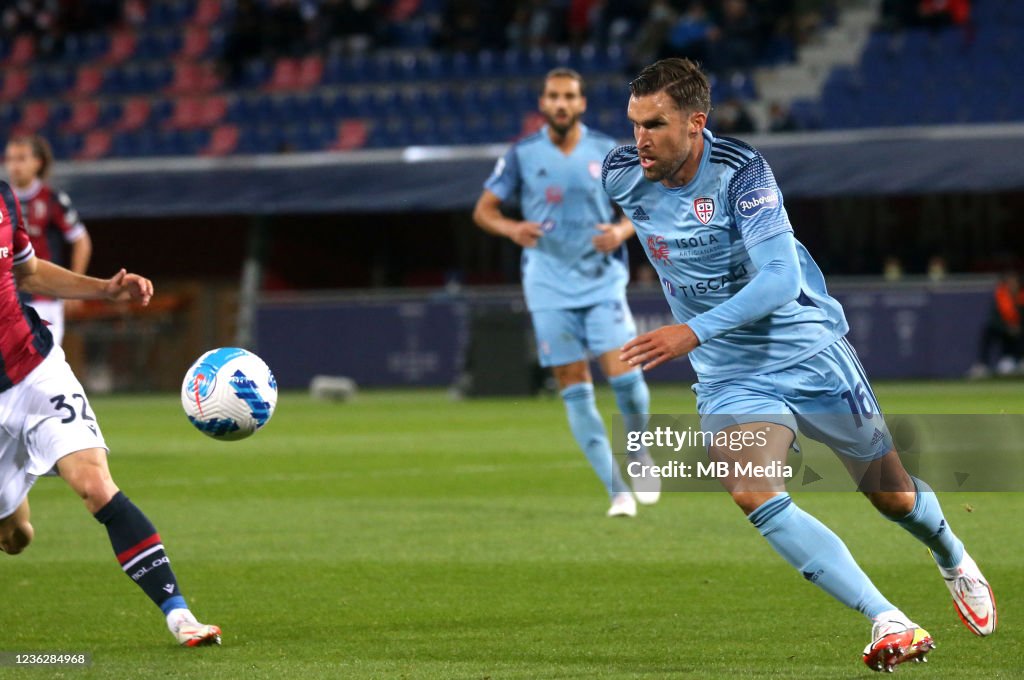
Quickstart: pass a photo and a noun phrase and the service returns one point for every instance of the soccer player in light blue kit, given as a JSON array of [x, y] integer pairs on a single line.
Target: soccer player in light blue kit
[[574, 270], [766, 341]]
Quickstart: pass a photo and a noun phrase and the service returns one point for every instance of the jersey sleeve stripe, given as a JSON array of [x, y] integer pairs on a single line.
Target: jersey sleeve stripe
[[25, 255], [728, 153], [725, 160], [736, 146]]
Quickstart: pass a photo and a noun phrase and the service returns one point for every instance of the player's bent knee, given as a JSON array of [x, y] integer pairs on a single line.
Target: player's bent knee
[[571, 374], [895, 504], [749, 501], [86, 472]]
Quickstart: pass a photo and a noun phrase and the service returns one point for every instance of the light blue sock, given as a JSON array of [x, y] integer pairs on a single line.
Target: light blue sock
[[588, 429], [818, 554], [633, 399], [926, 523]]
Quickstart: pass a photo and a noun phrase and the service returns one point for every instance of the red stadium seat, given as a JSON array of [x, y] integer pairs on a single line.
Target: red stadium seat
[[207, 12], [197, 41], [311, 71], [22, 51], [193, 113], [352, 134], [213, 111], [122, 46], [88, 81], [134, 114], [192, 78], [187, 114], [285, 76], [15, 84], [96, 145], [84, 115], [223, 141], [34, 116]]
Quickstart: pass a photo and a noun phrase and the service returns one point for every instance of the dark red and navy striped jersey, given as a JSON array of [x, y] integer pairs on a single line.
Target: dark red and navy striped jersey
[[24, 339], [52, 224]]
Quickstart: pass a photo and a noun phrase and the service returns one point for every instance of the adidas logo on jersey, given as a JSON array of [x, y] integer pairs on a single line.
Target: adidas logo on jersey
[[640, 215]]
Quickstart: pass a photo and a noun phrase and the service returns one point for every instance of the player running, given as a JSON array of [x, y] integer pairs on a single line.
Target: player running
[[574, 270], [765, 337], [47, 424], [52, 223]]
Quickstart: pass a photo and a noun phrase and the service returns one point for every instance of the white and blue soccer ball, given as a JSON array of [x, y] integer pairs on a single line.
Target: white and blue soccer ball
[[229, 393]]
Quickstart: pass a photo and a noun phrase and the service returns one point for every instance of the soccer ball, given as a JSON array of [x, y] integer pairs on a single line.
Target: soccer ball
[[229, 393]]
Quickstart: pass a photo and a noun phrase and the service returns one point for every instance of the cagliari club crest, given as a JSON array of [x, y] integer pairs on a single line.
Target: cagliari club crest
[[704, 209]]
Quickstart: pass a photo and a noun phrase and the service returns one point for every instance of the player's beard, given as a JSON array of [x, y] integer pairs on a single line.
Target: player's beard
[[561, 127]]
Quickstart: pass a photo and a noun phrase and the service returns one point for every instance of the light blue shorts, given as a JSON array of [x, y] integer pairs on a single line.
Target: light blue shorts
[[826, 397], [565, 336]]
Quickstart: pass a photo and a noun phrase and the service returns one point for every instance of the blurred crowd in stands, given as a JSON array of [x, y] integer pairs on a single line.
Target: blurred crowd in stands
[[723, 34], [50, 21], [897, 14]]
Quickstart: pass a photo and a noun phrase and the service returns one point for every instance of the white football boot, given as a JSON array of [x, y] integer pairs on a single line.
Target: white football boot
[[972, 596], [623, 505], [646, 488], [189, 632]]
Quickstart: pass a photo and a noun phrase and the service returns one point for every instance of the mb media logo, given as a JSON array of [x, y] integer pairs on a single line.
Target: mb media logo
[[639, 215]]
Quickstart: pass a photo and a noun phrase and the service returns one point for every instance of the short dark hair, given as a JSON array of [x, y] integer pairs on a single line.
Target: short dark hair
[[680, 79], [563, 72], [40, 149]]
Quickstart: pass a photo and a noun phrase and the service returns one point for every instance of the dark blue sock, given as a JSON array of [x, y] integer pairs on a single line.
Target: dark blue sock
[[140, 552]]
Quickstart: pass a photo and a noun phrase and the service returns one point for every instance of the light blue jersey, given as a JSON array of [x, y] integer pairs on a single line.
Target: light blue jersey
[[563, 193], [697, 237]]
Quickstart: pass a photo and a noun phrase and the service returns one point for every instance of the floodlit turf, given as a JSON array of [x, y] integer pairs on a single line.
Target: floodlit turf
[[405, 535]]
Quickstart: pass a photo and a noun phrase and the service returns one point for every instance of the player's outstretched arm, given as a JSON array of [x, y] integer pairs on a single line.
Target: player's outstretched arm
[[776, 282], [40, 277], [487, 215]]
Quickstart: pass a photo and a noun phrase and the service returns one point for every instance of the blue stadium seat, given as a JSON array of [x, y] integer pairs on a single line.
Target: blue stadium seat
[[255, 73]]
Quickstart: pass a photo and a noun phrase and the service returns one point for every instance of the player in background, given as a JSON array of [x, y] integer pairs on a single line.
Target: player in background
[[766, 341], [46, 422], [53, 225], [574, 270]]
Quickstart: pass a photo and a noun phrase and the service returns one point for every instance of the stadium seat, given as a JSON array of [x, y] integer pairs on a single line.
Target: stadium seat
[[22, 51], [122, 47], [95, 145], [207, 12], [311, 70], [134, 115], [14, 84], [255, 73], [285, 75], [196, 42], [10, 114], [351, 135], [223, 141], [191, 77], [197, 112], [34, 116], [84, 116], [88, 80]]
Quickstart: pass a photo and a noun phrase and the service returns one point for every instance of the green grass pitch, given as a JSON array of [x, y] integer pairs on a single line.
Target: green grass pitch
[[404, 535]]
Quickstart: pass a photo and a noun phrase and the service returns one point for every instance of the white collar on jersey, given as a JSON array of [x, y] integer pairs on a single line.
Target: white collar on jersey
[[29, 193]]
